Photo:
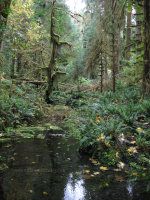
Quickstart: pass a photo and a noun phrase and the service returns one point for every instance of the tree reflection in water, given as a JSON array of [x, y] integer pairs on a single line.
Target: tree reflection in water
[[74, 189]]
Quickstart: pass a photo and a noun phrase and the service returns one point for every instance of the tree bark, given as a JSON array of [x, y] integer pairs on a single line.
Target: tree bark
[[105, 69], [19, 62], [4, 7], [138, 34], [118, 53], [102, 72], [146, 71], [113, 52], [128, 32], [52, 64], [13, 67]]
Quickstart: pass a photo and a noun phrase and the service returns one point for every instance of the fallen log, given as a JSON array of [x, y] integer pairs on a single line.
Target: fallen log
[[29, 81]]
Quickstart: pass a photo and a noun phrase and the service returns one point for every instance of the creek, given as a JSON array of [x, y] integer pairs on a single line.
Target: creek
[[52, 169]]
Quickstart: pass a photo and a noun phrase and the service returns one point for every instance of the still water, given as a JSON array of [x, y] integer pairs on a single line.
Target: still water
[[52, 169]]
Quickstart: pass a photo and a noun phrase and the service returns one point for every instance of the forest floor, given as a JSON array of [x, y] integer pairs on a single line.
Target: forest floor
[[114, 129]]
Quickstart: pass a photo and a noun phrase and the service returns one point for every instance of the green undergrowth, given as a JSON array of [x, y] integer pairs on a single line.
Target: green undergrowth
[[113, 127], [17, 105]]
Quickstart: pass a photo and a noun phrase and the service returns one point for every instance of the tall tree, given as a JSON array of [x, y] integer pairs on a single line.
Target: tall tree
[[128, 32], [4, 12], [146, 71], [113, 49], [55, 44]]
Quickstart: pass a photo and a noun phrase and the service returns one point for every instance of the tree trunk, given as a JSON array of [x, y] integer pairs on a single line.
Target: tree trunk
[[89, 74], [50, 76], [113, 52], [13, 67], [128, 33], [138, 35], [19, 62], [2, 28], [113, 64], [105, 69], [139, 43], [118, 53], [102, 72], [52, 64], [146, 71], [4, 6]]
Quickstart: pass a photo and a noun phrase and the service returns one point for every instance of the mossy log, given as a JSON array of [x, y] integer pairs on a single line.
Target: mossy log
[[5, 140], [30, 81]]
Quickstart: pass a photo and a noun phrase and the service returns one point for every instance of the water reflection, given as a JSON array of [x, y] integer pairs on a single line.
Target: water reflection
[[130, 187], [74, 189], [53, 170]]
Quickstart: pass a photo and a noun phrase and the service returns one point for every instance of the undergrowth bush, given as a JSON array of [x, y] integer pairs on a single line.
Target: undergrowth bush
[[110, 123], [14, 107]]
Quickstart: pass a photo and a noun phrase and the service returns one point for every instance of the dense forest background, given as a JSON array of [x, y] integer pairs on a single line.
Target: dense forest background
[[96, 64], [109, 41]]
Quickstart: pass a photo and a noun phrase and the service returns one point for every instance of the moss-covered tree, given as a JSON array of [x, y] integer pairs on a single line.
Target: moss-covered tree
[[4, 12], [55, 44]]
